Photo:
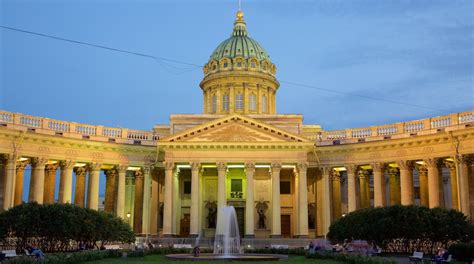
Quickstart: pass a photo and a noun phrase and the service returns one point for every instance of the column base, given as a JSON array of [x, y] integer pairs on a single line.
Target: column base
[[193, 235], [249, 236], [275, 236]]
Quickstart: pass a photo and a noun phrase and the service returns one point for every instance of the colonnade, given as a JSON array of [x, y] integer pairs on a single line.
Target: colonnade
[[400, 182], [43, 181], [275, 169]]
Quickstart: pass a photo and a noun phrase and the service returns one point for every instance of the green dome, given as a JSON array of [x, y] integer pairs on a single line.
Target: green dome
[[239, 44]]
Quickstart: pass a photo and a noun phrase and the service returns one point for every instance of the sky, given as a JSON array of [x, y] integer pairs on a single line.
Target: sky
[[414, 52]]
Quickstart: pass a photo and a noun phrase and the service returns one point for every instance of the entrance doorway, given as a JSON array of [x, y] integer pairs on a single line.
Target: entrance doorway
[[240, 212], [184, 226], [286, 226]]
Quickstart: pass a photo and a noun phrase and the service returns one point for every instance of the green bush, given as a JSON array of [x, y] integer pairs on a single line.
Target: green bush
[[58, 227], [462, 251], [404, 229], [68, 258], [349, 258]]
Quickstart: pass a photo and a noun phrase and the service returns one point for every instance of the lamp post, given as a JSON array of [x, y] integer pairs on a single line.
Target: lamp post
[[128, 217]]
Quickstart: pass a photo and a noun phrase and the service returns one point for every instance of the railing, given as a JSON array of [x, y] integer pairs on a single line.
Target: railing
[[392, 130], [58, 127]]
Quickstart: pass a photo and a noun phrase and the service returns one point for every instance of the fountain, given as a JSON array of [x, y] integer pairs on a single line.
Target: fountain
[[227, 242]]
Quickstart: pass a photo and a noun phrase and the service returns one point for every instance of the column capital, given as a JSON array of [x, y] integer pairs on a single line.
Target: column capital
[[94, 166], [21, 165], [325, 170], [377, 166], [302, 166], [431, 162], [169, 165], [250, 166], [392, 170], [111, 172], [351, 168], [51, 168], [80, 171], [39, 162], [462, 159], [221, 166], [275, 166], [405, 164], [121, 168], [363, 174], [195, 166], [66, 164], [449, 164], [138, 174], [335, 175], [146, 169], [422, 169]]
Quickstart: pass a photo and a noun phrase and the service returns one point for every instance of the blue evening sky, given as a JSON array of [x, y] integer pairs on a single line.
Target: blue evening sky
[[417, 52]]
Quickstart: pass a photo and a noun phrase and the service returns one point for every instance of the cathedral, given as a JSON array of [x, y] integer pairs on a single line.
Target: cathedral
[[285, 179]]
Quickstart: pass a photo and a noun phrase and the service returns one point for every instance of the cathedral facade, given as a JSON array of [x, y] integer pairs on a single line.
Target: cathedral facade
[[284, 178]]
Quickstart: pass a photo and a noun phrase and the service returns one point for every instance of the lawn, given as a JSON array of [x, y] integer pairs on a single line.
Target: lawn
[[162, 259]]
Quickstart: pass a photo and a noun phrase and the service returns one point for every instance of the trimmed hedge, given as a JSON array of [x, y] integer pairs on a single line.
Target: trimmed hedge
[[60, 227], [404, 229], [68, 258], [350, 258]]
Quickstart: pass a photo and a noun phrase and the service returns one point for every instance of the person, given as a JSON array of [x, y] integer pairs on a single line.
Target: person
[[440, 256], [311, 247], [150, 245], [337, 248], [196, 251], [36, 252], [82, 246], [346, 247]]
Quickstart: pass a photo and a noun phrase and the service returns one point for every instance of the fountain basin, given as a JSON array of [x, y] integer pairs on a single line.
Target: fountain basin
[[233, 257]]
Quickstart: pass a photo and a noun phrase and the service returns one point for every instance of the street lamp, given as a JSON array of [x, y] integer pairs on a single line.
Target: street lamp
[[128, 217]]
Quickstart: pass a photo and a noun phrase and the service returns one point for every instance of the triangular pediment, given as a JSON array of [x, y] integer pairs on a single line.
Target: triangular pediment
[[235, 128]]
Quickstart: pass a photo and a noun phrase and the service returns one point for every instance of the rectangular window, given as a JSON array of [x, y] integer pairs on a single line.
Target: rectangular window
[[285, 187], [252, 102], [239, 101], [187, 187], [225, 102], [264, 104], [236, 185], [214, 103]]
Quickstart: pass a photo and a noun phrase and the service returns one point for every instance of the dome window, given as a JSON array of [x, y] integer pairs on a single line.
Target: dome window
[[225, 102], [225, 64], [253, 65], [214, 103], [252, 102], [264, 104], [239, 64], [239, 101], [226, 51], [214, 67]]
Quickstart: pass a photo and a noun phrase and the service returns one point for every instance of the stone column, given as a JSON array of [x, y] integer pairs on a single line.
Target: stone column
[[379, 184], [461, 161], [303, 199], [221, 195], [37, 181], [93, 186], [423, 178], [454, 183], [20, 173], [351, 188], [433, 182], [327, 210], [50, 183], [110, 182], [120, 199], [406, 182], [249, 201], [168, 200], [8, 198], [364, 188], [138, 208], [276, 207], [336, 194], [65, 181], [80, 189], [394, 182], [195, 191], [146, 199]]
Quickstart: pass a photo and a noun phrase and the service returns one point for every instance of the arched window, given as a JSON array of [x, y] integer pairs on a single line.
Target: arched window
[[225, 64], [225, 102], [239, 101], [252, 102], [264, 104], [214, 104]]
